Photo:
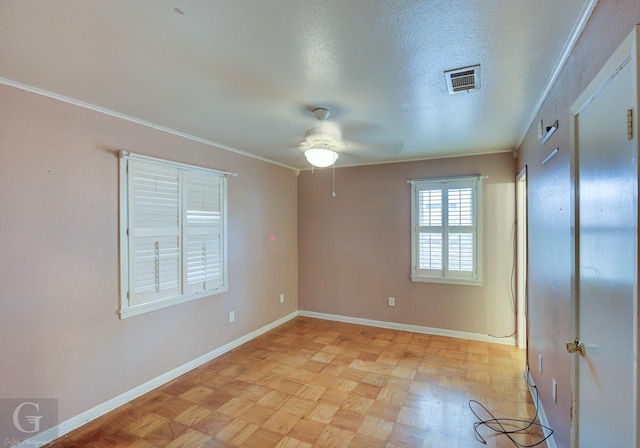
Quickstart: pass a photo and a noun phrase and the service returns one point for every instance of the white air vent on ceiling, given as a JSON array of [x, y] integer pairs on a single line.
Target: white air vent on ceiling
[[463, 79]]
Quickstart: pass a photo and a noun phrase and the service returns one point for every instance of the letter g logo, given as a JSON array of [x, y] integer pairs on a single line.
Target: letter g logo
[[33, 420]]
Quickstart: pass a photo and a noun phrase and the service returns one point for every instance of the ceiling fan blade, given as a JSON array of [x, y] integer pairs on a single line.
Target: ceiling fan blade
[[371, 139], [368, 142]]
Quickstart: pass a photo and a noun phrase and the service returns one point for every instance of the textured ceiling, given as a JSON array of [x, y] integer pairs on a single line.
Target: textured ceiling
[[246, 73]]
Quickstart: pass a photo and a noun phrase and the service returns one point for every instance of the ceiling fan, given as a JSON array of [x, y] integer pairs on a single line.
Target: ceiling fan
[[323, 143]]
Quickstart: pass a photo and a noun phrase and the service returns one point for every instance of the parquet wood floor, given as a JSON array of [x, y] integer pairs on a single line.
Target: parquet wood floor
[[316, 383]]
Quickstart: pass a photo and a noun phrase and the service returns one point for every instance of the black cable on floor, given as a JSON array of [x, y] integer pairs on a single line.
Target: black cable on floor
[[498, 424]]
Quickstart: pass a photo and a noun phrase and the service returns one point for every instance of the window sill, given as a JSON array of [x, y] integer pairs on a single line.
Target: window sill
[[448, 281], [130, 311]]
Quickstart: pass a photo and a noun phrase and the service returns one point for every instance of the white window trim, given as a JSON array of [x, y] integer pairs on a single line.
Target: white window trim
[[416, 275], [128, 309]]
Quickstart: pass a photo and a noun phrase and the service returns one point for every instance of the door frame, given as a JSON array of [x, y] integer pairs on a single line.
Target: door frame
[[522, 260], [627, 52]]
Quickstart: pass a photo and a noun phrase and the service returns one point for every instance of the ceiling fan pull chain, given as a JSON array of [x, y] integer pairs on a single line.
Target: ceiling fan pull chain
[[334, 181]]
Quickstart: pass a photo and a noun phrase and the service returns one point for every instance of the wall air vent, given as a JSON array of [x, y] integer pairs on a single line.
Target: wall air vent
[[463, 79]]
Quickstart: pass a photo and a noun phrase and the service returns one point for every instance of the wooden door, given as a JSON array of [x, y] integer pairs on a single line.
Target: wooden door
[[607, 257]]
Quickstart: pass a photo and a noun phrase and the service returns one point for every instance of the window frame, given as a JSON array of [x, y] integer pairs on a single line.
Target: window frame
[[131, 305], [445, 275]]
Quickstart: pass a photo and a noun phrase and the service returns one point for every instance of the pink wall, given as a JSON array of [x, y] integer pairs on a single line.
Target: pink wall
[[355, 250], [550, 212], [61, 335]]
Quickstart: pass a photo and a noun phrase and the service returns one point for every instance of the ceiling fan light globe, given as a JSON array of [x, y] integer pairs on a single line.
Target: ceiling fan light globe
[[320, 157]]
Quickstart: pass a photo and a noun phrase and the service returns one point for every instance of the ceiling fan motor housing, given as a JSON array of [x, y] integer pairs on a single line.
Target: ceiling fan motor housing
[[324, 133]]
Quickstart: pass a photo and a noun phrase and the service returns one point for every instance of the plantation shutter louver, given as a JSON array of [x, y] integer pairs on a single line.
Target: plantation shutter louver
[[202, 229], [461, 230], [431, 230], [154, 223]]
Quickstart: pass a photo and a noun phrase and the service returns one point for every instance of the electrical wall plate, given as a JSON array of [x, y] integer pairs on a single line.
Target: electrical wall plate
[[540, 362], [549, 132], [540, 129]]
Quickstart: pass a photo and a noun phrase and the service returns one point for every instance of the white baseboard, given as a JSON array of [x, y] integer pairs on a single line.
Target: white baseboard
[[109, 405], [413, 328], [551, 442]]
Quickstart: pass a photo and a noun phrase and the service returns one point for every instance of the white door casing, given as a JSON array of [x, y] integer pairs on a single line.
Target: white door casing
[[521, 262]]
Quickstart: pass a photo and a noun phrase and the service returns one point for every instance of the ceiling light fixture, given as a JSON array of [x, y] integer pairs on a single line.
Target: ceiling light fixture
[[321, 157]]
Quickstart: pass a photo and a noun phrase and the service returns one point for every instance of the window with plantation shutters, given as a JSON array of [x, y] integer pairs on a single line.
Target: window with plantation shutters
[[446, 220], [172, 238]]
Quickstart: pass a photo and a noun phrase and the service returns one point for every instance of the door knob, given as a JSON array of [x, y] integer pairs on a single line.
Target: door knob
[[575, 346]]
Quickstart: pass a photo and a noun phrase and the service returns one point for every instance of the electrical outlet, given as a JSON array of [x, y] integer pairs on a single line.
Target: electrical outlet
[[232, 316], [392, 301], [540, 362], [281, 298], [554, 390]]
